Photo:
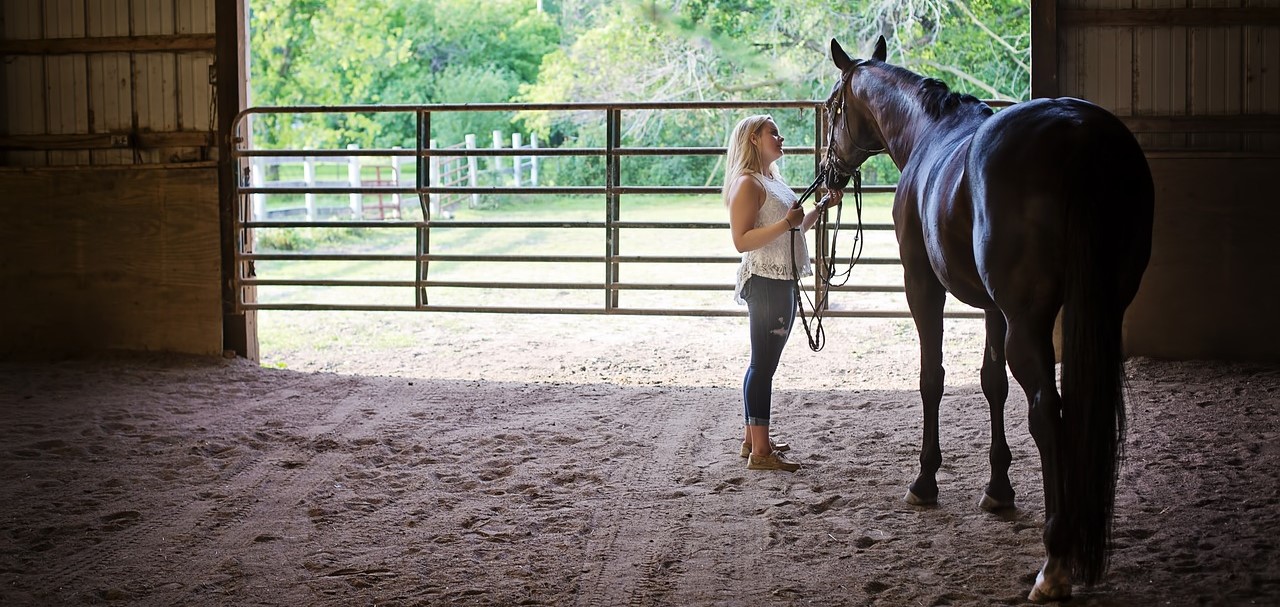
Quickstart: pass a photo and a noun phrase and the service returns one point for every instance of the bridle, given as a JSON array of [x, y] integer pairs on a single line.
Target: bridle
[[828, 158], [830, 164]]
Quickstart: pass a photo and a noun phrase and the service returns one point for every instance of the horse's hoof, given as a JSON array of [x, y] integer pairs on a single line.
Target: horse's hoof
[[991, 504], [1048, 595], [915, 500], [1050, 588]]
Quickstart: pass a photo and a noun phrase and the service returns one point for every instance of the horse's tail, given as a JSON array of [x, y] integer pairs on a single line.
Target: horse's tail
[[1090, 446]]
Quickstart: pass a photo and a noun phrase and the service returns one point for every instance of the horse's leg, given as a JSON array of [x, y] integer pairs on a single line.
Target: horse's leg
[[995, 385], [1029, 346], [926, 297]]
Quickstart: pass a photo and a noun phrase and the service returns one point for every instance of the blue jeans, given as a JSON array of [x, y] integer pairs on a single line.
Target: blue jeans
[[771, 310]]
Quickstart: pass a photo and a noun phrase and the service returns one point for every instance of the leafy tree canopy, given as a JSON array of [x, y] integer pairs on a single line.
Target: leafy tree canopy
[[345, 52], [331, 52]]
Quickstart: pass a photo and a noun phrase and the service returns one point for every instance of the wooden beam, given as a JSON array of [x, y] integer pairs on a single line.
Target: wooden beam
[[106, 141], [1247, 123], [1044, 48], [1186, 17], [239, 327], [175, 139], [93, 141], [110, 44]]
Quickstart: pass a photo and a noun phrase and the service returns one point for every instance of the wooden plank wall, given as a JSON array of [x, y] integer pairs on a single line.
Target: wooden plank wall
[[110, 259], [111, 237], [1199, 83]]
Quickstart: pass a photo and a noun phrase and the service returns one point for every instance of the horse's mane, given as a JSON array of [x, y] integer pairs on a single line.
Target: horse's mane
[[935, 96]]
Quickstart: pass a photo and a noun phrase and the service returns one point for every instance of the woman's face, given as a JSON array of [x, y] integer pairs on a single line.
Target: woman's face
[[768, 142]]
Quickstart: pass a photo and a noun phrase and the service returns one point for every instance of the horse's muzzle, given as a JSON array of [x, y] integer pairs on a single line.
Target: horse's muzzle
[[834, 178]]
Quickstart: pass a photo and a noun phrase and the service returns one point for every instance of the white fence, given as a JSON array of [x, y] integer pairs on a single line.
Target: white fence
[[389, 171]]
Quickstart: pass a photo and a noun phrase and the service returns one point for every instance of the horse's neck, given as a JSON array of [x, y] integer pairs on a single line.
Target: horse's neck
[[910, 129]]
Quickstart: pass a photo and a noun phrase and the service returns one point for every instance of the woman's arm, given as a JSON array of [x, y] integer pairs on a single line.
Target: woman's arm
[[746, 195], [812, 217]]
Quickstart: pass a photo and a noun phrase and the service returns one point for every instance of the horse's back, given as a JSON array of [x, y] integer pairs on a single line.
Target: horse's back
[[1059, 145], [1030, 168]]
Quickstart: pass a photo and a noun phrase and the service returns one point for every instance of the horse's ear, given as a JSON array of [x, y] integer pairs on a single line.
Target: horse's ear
[[839, 57], [881, 52]]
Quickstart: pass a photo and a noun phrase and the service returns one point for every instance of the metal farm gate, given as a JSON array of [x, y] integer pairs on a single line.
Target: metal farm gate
[[492, 291]]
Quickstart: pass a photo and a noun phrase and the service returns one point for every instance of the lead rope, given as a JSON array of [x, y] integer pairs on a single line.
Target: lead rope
[[817, 334]]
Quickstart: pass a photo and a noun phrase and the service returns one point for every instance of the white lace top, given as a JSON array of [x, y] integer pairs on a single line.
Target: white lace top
[[774, 259]]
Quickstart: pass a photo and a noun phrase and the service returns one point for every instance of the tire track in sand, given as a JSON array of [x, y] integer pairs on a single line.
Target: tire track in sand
[[635, 553]]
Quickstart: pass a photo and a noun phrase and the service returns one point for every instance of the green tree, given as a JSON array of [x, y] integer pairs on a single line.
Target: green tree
[[331, 52], [756, 49], [342, 52]]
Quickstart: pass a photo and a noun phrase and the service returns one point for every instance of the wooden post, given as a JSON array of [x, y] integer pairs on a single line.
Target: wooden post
[[395, 179], [309, 177], [497, 160], [353, 178], [433, 180], [533, 159], [515, 160], [472, 165]]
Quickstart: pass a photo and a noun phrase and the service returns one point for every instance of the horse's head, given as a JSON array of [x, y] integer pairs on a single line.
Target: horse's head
[[852, 134]]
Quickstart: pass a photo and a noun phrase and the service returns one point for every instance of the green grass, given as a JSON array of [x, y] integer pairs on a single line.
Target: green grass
[[334, 331], [712, 242]]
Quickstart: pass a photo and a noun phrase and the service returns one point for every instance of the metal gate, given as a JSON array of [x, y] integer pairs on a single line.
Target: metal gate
[[610, 262]]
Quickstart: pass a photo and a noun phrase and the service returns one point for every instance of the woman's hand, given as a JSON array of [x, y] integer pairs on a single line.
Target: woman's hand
[[795, 215], [831, 198]]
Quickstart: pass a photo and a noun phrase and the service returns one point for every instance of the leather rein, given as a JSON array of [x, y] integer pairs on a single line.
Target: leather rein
[[831, 164]]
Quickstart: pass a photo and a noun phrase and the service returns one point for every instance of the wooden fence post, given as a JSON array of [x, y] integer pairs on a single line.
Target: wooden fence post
[[472, 164], [515, 160], [433, 179], [395, 179], [533, 159], [309, 177], [353, 178], [497, 160]]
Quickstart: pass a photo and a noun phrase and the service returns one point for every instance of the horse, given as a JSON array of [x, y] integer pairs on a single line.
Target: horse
[[1041, 208]]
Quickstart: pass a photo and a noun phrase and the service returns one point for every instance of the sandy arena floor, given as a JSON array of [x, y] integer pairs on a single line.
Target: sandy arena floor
[[593, 461]]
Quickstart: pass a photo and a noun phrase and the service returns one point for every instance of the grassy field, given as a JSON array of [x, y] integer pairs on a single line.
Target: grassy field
[[335, 330], [708, 242]]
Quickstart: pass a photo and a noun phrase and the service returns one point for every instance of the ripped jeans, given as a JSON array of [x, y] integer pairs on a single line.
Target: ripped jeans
[[771, 309]]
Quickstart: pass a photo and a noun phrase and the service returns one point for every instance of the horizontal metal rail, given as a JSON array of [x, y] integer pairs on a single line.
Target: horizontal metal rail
[[655, 189], [870, 227], [487, 152], [612, 225], [559, 286], [830, 313]]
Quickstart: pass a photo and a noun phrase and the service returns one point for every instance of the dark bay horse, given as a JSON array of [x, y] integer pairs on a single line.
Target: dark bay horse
[[1043, 207]]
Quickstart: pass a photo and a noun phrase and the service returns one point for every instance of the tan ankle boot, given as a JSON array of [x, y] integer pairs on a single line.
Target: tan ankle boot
[[772, 461]]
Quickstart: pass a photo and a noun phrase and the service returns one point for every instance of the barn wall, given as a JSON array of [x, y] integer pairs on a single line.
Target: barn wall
[[111, 237], [1210, 290], [123, 258], [1198, 81]]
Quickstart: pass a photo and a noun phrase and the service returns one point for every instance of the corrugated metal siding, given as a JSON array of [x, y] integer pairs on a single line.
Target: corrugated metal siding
[[1262, 76], [1196, 86], [1160, 79], [110, 79], [23, 79], [113, 90]]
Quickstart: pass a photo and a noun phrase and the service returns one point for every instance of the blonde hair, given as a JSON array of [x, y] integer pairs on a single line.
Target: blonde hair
[[741, 156]]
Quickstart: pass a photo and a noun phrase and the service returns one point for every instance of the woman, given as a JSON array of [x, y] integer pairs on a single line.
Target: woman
[[762, 216]]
